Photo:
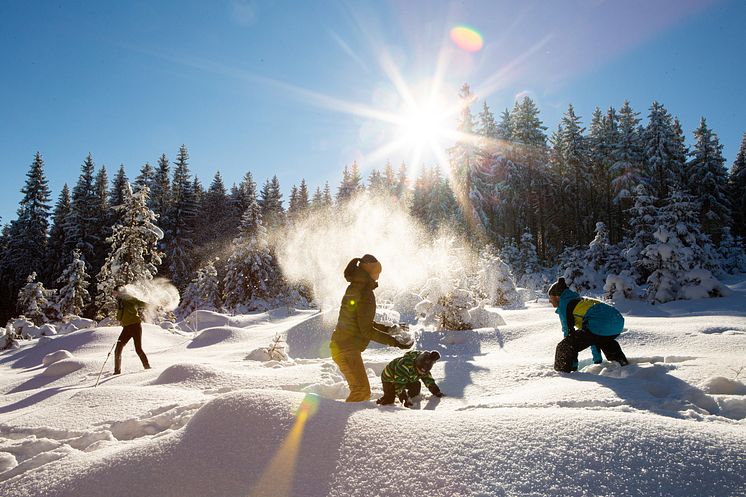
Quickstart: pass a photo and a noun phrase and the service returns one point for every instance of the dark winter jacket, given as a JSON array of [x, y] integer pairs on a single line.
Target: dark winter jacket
[[402, 371], [128, 310], [355, 326]]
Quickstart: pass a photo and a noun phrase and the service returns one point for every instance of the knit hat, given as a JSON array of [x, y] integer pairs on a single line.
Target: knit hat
[[557, 288], [424, 360], [367, 258]]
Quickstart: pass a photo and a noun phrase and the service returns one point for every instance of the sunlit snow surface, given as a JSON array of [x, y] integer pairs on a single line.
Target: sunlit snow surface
[[207, 421]]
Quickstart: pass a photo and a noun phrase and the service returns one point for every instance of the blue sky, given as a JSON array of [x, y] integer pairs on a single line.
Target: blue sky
[[294, 88]]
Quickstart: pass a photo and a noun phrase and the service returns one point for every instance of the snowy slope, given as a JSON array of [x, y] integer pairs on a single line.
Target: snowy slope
[[205, 421]]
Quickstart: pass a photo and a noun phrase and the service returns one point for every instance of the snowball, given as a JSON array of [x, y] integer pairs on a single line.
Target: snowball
[[55, 357]]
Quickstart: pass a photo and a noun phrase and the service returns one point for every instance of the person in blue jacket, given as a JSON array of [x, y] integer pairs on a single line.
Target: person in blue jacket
[[586, 322]]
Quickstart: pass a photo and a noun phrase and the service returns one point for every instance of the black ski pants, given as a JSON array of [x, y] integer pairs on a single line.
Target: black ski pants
[[566, 355], [389, 391], [131, 331]]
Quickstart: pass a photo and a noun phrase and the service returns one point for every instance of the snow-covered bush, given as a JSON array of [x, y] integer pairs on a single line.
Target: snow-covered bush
[[275, 351], [203, 292], [621, 286], [73, 295], [700, 283], [732, 253], [34, 301], [482, 317]]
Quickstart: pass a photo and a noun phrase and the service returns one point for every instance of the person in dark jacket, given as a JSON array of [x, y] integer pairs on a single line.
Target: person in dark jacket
[[356, 327], [401, 377], [128, 314], [586, 322]]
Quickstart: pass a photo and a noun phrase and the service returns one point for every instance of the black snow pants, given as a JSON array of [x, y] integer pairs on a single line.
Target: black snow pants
[[389, 392], [131, 331], [566, 355]]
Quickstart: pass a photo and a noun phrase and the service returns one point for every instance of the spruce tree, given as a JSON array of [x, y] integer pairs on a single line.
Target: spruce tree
[[26, 252], [708, 181], [643, 218], [73, 296], [55, 259], [180, 221], [146, 177], [81, 229], [661, 153], [251, 276], [270, 201], [33, 300], [134, 254], [203, 292], [737, 190]]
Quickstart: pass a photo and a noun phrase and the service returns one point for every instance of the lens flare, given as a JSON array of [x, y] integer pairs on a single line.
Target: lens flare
[[467, 38]]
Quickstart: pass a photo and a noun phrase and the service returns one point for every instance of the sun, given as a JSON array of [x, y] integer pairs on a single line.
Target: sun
[[422, 124]]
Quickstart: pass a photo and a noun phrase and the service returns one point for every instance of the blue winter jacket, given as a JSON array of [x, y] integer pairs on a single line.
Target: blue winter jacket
[[599, 318]]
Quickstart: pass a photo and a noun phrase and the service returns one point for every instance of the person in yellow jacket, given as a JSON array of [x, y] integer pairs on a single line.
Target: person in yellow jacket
[[128, 314]]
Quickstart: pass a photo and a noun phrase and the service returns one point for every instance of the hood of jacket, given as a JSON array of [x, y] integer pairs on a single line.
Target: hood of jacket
[[355, 274]]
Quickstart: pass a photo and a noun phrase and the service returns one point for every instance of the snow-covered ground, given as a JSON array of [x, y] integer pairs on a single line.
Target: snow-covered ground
[[208, 421]]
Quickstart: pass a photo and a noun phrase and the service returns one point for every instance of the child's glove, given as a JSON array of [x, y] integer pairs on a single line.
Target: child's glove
[[436, 391]]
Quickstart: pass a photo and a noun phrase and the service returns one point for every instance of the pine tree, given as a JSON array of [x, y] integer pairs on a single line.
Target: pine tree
[[203, 292], [213, 224], [27, 247], [351, 185], [732, 253], [270, 201], [737, 190], [73, 296], [101, 223], [241, 198], [575, 171], [116, 195], [462, 157], [708, 181], [55, 259], [504, 129], [160, 194], [81, 230], [180, 221], [660, 154], [643, 218], [251, 276], [146, 177], [530, 268], [627, 166], [134, 254], [33, 300]]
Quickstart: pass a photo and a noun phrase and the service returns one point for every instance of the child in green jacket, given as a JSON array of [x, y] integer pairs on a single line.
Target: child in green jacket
[[401, 377]]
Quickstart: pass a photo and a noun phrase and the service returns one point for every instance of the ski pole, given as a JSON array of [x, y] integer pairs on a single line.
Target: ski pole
[[104, 364]]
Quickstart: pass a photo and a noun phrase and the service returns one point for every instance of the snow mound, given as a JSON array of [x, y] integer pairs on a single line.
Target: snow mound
[[63, 367], [200, 320], [723, 386], [450, 343], [309, 339], [221, 334], [53, 357], [485, 317], [7, 461], [199, 376]]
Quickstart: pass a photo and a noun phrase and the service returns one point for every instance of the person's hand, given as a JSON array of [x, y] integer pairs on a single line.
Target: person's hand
[[404, 345], [436, 391]]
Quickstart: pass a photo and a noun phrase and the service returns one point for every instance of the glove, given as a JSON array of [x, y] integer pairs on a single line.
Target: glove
[[436, 391], [404, 345]]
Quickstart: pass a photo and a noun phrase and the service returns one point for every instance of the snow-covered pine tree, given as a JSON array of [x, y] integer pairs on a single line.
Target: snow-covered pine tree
[[203, 292], [160, 195], [146, 177], [510, 255], [679, 153], [597, 255], [732, 253], [660, 153], [643, 219], [33, 300], [708, 181], [251, 272], [241, 197], [531, 273], [270, 201], [116, 195], [573, 268], [737, 190], [81, 231], [627, 156], [27, 246], [134, 254], [102, 220], [181, 219], [73, 296], [213, 226], [576, 175], [495, 282], [56, 255]]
